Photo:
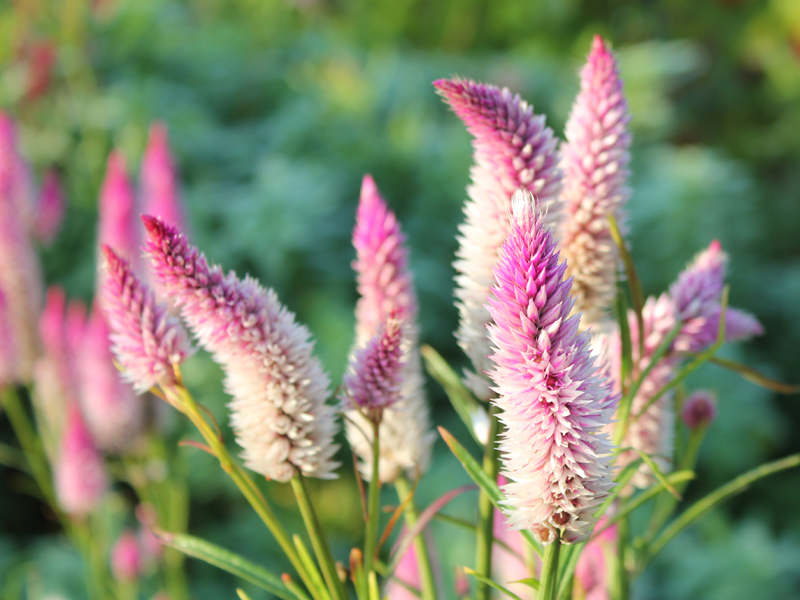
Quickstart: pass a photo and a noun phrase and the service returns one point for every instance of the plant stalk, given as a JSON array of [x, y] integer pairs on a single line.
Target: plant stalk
[[485, 531], [373, 501], [428, 583], [548, 579]]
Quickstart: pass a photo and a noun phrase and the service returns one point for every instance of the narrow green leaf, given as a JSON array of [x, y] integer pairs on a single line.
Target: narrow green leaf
[[478, 475], [621, 480], [225, 560], [753, 376], [534, 583], [491, 583], [715, 498], [242, 594], [464, 524], [635, 286], [311, 567], [625, 337], [467, 407], [659, 474]]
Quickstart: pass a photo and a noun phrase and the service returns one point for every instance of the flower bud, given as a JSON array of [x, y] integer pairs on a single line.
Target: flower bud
[[699, 409]]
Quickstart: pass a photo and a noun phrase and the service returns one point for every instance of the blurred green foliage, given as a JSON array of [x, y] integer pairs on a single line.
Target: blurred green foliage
[[277, 108]]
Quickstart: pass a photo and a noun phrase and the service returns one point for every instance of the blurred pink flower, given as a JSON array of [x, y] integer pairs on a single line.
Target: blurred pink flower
[[553, 401], [407, 572], [699, 409], [7, 358], [279, 389], [80, 476], [594, 160], [126, 558], [158, 180], [119, 226], [512, 149], [50, 210], [592, 576]]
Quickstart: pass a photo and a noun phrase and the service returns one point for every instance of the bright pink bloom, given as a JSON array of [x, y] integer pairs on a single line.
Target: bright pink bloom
[[146, 340], [592, 573], [20, 275], [279, 389], [126, 558], [374, 377], [159, 183], [512, 149], [386, 292], [119, 226], [51, 208], [594, 160], [553, 400], [699, 409], [113, 412], [80, 476]]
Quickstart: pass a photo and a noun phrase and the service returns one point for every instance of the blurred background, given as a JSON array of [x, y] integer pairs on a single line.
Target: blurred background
[[275, 111]]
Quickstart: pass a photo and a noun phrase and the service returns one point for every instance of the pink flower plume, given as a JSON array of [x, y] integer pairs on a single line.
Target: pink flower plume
[[50, 211], [118, 226], [80, 476], [512, 149], [279, 389], [126, 557], [554, 403]]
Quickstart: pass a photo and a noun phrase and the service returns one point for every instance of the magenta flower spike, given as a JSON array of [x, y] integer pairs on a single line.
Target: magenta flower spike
[[386, 293], [512, 149], [594, 160], [119, 227], [20, 275], [20, 188], [374, 379], [51, 208], [147, 341], [113, 413], [126, 558], [553, 401], [699, 409], [80, 476], [158, 180], [279, 388]]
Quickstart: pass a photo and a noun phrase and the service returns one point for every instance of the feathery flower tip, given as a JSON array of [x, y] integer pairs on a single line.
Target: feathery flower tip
[[553, 401], [699, 409], [147, 341], [278, 387]]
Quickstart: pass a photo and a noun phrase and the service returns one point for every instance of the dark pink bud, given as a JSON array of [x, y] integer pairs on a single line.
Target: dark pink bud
[[699, 409], [126, 558]]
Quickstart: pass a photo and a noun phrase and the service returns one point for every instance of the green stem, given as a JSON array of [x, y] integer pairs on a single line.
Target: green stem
[[485, 531], [548, 579], [184, 400], [373, 501], [619, 580], [318, 539], [423, 558]]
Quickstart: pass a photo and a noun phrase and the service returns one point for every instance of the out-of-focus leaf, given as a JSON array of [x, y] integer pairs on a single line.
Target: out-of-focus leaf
[[754, 376]]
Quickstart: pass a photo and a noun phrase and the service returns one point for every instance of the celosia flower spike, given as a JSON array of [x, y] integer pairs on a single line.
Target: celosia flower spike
[[279, 389], [118, 227], [146, 340], [512, 149], [159, 185], [553, 402], [51, 208], [80, 476], [374, 378], [386, 292], [126, 558], [594, 160]]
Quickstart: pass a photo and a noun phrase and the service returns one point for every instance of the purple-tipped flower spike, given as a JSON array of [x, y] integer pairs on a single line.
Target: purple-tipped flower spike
[[512, 149], [279, 389], [699, 409], [386, 292], [80, 476], [146, 340], [158, 181], [373, 381], [20, 276], [554, 403], [118, 225], [697, 297], [113, 412], [594, 160], [126, 558], [51, 208]]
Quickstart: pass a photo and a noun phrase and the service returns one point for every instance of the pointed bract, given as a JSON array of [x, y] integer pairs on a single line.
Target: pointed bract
[[594, 161], [553, 402], [279, 389], [512, 149]]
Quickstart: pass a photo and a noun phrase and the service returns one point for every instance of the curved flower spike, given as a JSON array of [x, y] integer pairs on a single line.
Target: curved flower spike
[[512, 149], [594, 160], [553, 401], [279, 388]]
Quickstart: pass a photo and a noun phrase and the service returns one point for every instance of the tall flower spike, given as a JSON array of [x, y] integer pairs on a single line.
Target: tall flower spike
[[386, 292], [512, 149], [80, 476], [552, 400], [159, 185], [146, 340], [51, 208], [118, 226], [279, 389], [594, 160], [20, 275], [113, 412]]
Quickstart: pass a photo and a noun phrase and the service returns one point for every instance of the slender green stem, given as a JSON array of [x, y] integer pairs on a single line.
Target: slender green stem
[[318, 539], [548, 579], [485, 531], [619, 581], [423, 558], [373, 501]]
